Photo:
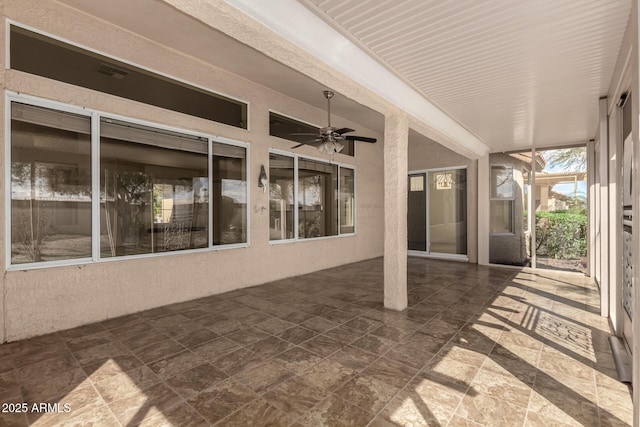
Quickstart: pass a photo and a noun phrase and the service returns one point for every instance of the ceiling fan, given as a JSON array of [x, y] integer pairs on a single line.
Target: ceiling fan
[[328, 139]]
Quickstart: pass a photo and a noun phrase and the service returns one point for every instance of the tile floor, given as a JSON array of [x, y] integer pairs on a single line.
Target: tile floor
[[478, 346]]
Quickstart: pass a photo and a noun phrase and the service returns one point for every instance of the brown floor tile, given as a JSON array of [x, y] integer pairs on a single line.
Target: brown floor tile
[[479, 354], [13, 419], [322, 345], [51, 367], [181, 415], [270, 346], [142, 339], [487, 410], [297, 335], [334, 411], [197, 337], [9, 388], [406, 409], [344, 334], [191, 382], [221, 399], [319, 324], [353, 358], [158, 350], [409, 356], [367, 392], [127, 384], [257, 412], [247, 336], [136, 409], [237, 361], [53, 385], [297, 359], [297, 317], [364, 324], [263, 377], [395, 373], [216, 348], [274, 326], [177, 363], [295, 396], [502, 387], [328, 374], [225, 327], [373, 344], [81, 401], [40, 354]]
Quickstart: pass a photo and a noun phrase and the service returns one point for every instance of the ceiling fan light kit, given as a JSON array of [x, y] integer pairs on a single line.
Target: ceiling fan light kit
[[328, 141]]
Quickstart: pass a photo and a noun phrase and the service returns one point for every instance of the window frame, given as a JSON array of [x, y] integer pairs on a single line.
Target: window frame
[[95, 116], [296, 237], [511, 199]]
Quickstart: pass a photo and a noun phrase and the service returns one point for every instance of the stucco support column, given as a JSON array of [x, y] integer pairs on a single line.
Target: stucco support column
[[483, 210], [396, 149]]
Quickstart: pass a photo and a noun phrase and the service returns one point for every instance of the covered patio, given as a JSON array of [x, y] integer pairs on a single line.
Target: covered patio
[[480, 345]]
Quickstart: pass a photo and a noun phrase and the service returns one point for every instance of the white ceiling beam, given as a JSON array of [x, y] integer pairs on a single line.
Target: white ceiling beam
[[297, 24]]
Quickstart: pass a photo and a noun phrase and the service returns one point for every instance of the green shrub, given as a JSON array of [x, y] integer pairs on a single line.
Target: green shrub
[[561, 235]]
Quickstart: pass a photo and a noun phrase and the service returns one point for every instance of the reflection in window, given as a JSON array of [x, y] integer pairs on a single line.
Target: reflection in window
[[229, 194], [347, 200], [501, 182], [153, 190], [50, 185], [502, 195], [294, 130], [317, 192], [281, 189]]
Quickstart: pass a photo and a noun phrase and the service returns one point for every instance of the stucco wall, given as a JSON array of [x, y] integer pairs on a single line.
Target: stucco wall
[[426, 154], [511, 248], [43, 300]]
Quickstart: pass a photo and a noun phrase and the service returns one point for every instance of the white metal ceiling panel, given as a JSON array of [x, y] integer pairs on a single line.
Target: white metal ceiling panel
[[516, 73]]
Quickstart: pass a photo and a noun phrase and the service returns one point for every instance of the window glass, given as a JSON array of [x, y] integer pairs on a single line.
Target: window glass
[[501, 182], [153, 190], [281, 192], [50, 185], [347, 200], [317, 199], [502, 216], [229, 194]]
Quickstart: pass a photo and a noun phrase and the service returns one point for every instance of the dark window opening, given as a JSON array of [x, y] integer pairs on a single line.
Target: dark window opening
[[36, 54]]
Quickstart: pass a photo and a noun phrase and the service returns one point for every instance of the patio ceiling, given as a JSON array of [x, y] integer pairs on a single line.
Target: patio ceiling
[[516, 73]]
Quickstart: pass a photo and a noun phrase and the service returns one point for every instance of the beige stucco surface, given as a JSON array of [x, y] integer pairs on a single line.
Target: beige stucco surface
[[43, 300], [426, 154], [396, 148]]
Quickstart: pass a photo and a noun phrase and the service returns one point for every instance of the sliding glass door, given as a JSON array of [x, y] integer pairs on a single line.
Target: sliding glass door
[[437, 212]]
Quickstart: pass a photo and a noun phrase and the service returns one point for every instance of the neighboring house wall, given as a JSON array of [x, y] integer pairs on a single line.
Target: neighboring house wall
[[43, 300], [427, 154], [511, 248]]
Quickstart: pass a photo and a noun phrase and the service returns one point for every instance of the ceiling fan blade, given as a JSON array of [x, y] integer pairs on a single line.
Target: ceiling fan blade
[[312, 142], [303, 134], [343, 130], [360, 138]]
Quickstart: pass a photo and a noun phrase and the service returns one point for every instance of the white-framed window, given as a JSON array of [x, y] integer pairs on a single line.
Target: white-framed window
[[502, 199], [89, 186], [309, 198]]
